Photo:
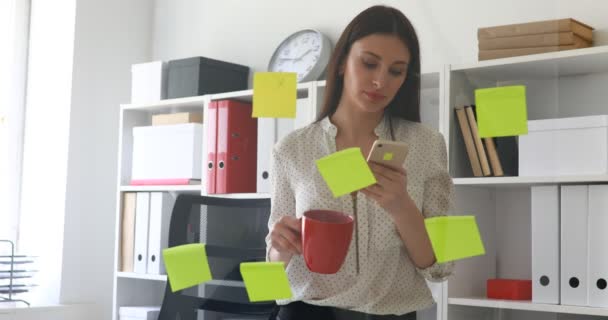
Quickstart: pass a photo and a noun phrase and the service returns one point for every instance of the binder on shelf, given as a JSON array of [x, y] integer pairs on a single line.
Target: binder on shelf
[[545, 244], [267, 137], [127, 235], [598, 237], [270, 131], [574, 218], [236, 148], [161, 206], [211, 125], [142, 212]]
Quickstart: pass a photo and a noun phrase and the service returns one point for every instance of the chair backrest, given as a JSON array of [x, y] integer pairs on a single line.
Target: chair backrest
[[233, 231]]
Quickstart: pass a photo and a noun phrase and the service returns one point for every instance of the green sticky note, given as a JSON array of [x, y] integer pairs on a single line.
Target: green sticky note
[[274, 95], [388, 156], [265, 281], [454, 237], [186, 265], [501, 111], [345, 171]]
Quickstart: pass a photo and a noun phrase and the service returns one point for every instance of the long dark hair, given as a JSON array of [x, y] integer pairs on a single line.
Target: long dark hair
[[380, 20]]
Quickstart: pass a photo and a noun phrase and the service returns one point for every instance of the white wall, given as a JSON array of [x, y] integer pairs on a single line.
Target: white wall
[[247, 32], [110, 36]]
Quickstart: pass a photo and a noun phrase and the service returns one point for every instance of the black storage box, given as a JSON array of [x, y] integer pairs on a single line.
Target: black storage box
[[199, 76]]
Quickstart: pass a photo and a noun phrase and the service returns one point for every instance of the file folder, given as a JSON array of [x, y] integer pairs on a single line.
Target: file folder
[[573, 280], [545, 244], [127, 235], [267, 137], [271, 131], [142, 212], [161, 206], [237, 142], [211, 124], [598, 240]]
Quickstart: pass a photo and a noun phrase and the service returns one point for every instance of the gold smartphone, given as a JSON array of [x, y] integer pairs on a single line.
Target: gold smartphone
[[388, 153]]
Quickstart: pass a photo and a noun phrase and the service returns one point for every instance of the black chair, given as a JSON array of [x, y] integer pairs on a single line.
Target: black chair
[[233, 231]]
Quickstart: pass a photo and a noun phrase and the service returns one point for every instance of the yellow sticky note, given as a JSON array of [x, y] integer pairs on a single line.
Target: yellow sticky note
[[388, 156], [454, 237], [186, 265], [345, 171], [265, 281], [274, 95], [501, 111]]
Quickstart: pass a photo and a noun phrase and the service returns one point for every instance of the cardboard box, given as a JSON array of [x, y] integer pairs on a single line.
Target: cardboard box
[[177, 118], [148, 82], [167, 153], [566, 146], [198, 76]]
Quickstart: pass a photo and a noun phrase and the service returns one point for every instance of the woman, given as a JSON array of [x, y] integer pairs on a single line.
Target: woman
[[372, 92]]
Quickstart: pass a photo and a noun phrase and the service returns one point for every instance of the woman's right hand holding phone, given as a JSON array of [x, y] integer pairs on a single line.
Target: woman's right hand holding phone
[[285, 236]]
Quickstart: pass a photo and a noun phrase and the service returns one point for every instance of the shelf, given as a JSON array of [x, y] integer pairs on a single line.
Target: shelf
[[544, 65], [163, 277], [247, 95], [193, 189], [528, 181], [240, 195], [131, 275], [527, 306], [428, 81], [196, 188], [187, 104]]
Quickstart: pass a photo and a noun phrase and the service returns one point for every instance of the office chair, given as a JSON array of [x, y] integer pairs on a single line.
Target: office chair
[[233, 231]]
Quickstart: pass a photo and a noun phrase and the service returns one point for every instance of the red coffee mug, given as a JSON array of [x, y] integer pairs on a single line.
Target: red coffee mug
[[326, 236]]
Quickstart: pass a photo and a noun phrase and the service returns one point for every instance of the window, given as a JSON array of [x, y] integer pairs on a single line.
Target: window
[[14, 26]]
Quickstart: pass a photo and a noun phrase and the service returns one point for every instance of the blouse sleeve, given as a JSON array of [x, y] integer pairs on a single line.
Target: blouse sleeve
[[437, 200], [282, 198]]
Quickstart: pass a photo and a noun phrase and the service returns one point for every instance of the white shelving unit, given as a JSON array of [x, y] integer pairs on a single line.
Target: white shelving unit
[[560, 84], [527, 306], [131, 289]]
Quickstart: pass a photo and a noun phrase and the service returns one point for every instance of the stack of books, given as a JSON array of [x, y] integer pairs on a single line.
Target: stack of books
[[496, 157], [532, 38]]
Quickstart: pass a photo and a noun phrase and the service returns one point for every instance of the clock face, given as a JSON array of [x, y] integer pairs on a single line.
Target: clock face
[[300, 53]]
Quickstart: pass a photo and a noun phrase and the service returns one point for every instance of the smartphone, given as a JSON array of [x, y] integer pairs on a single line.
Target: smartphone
[[388, 153]]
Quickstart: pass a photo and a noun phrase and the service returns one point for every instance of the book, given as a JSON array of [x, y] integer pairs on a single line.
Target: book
[[493, 157], [483, 159], [503, 153], [177, 118], [505, 53], [468, 141], [127, 234], [547, 26], [533, 41], [490, 148]]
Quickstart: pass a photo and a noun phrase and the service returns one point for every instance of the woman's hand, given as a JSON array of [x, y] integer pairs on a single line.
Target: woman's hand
[[390, 191], [285, 236]]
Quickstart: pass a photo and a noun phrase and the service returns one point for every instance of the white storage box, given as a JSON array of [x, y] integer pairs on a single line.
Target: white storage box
[[566, 146], [148, 82], [169, 154], [138, 313]]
